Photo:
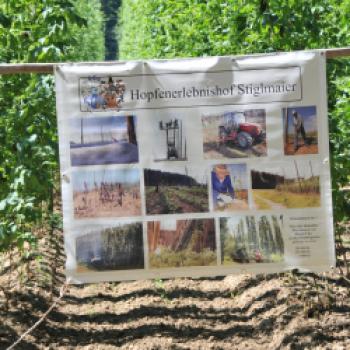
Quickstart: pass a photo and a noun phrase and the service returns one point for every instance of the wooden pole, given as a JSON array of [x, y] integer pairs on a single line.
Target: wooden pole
[[19, 68], [285, 112], [81, 131], [337, 53], [298, 176], [48, 68]]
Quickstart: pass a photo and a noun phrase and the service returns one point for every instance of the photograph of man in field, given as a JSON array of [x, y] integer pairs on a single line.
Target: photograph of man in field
[[106, 193], [101, 93], [235, 134], [229, 187], [115, 248], [300, 130], [103, 140], [176, 190], [179, 243], [249, 239], [294, 184]]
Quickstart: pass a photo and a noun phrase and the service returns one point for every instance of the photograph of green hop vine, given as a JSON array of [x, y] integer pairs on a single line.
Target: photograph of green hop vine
[[249, 239]]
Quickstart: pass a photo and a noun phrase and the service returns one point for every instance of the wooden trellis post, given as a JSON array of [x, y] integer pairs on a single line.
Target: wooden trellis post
[[48, 68]]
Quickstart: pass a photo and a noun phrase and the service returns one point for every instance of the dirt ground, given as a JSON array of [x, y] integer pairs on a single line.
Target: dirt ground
[[176, 199], [302, 149], [245, 312], [276, 311], [92, 207]]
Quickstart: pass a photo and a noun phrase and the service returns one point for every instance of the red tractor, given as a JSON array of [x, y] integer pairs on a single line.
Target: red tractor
[[235, 129]]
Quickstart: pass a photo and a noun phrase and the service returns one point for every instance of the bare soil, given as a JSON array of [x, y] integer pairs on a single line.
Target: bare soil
[[212, 150], [89, 205], [302, 149], [276, 311], [245, 312], [176, 199]]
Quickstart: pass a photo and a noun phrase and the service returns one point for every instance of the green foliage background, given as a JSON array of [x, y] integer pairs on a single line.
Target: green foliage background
[[191, 28], [72, 30], [36, 31]]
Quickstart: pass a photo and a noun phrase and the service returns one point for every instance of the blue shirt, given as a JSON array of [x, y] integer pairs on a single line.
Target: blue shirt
[[221, 187]]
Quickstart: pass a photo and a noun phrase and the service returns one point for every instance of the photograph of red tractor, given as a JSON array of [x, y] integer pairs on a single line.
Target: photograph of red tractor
[[234, 134], [235, 129]]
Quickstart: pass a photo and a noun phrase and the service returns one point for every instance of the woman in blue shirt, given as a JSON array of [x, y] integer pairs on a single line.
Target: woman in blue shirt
[[221, 183]]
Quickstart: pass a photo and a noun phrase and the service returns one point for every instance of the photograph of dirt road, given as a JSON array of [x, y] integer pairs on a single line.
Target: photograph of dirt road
[[179, 243], [249, 239], [236, 134], [178, 190], [300, 130], [103, 140], [294, 184], [115, 248], [106, 193], [229, 187]]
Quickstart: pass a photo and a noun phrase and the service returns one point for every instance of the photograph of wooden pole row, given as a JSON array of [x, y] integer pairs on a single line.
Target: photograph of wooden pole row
[[292, 184], [177, 190], [115, 248], [106, 193], [178, 243], [249, 239], [103, 140]]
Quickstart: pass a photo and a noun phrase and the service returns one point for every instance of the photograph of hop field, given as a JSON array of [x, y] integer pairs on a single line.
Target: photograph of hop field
[[287, 185], [115, 248], [180, 243], [106, 193], [229, 187], [249, 239], [235, 134], [177, 190], [103, 140], [300, 130]]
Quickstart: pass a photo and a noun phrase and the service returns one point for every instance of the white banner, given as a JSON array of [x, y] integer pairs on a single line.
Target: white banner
[[195, 167]]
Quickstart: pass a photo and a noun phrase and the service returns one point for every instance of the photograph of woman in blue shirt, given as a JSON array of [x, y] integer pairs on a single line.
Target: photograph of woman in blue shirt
[[221, 184]]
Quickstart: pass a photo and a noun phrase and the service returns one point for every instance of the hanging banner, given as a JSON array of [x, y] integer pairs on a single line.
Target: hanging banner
[[195, 167]]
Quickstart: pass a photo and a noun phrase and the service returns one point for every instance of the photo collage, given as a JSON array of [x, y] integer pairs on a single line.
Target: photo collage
[[174, 209]]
